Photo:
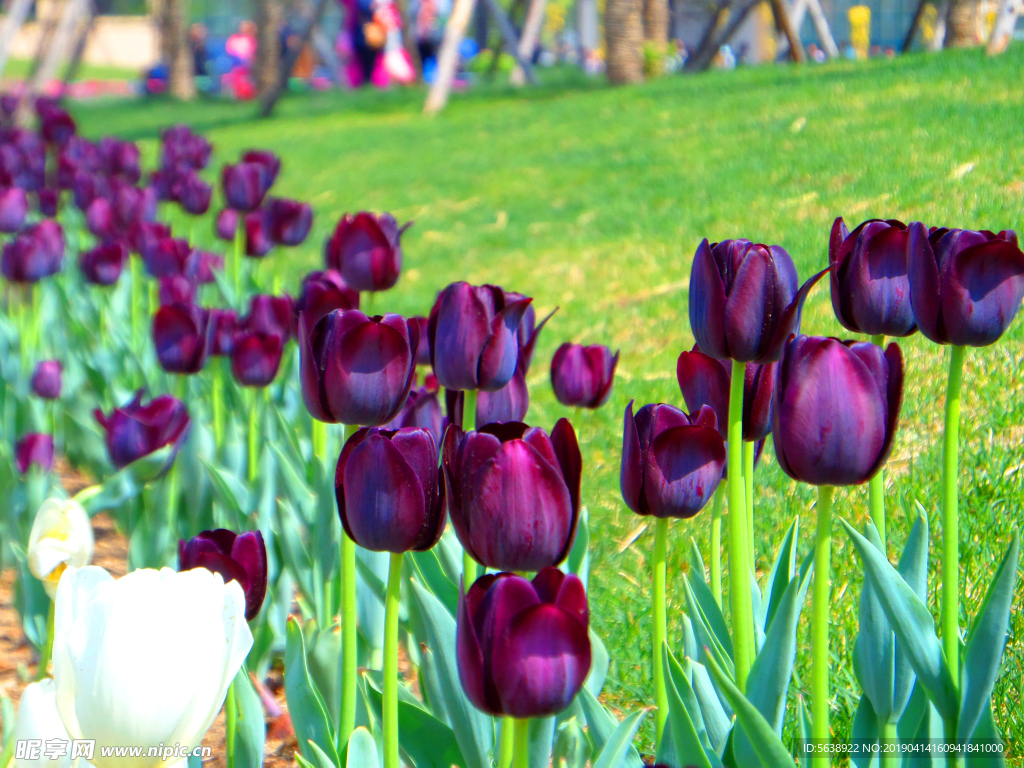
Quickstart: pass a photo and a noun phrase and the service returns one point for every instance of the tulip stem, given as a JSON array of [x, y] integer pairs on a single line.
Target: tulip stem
[[230, 725], [469, 425], [889, 739], [236, 263], [390, 694], [217, 385], [507, 742], [254, 436], [660, 629], [716, 544], [820, 608], [47, 650], [349, 662], [522, 744], [748, 487], [739, 580], [136, 274], [876, 485]]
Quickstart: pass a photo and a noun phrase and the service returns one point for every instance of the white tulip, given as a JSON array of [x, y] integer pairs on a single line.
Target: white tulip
[[147, 659], [61, 536], [38, 719]]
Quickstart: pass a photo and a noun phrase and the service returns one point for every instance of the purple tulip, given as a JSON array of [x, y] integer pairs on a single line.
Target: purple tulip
[[288, 221], [34, 450], [510, 403], [322, 293], [529, 329], [194, 194], [582, 376], [522, 647], [870, 287], [120, 158], [704, 380], [182, 147], [671, 463], [836, 410], [244, 185], [9, 108], [241, 558], [226, 224], [177, 289], [13, 209], [99, 218], [172, 256], [257, 240], [965, 287], [88, 186], [36, 253], [357, 369], [205, 264], [744, 301], [225, 326], [423, 349], [131, 204], [270, 162], [103, 264], [367, 250], [56, 125], [514, 493], [77, 156], [422, 409], [271, 314], [390, 490], [144, 237], [256, 357], [474, 337], [136, 430], [181, 334], [48, 200], [46, 379]]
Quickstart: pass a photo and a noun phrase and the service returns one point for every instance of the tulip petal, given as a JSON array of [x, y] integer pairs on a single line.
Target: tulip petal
[[757, 402], [459, 327], [510, 403], [704, 380], [923, 273], [707, 302], [500, 354], [683, 467], [894, 402], [469, 655], [880, 295], [251, 552], [790, 322], [309, 371], [632, 473], [981, 292]]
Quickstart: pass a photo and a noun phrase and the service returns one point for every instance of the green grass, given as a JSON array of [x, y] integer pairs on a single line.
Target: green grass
[[18, 69], [594, 199]]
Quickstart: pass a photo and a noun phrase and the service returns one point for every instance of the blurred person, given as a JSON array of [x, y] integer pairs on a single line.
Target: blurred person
[[241, 46], [197, 35]]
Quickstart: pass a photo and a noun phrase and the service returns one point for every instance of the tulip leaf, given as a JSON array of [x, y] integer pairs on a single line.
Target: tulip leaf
[[599, 663], [431, 573], [229, 489], [865, 734], [618, 750], [986, 641], [293, 550], [31, 600], [361, 750], [803, 720], [913, 567], [685, 745], [306, 707], [717, 721], [874, 652], [602, 728], [7, 739], [431, 686], [295, 486], [320, 758], [767, 745], [110, 494], [323, 650], [709, 608], [542, 741], [251, 730], [987, 733], [696, 561], [571, 750], [782, 572], [579, 557], [912, 622], [706, 640], [474, 731]]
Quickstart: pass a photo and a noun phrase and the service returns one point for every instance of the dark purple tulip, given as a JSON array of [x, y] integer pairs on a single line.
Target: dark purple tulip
[[144, 237], [270, 162], [322, 293], [136, 430], [245, 185], [177, 289], [422, 409], [171, 256], [9, 107], [182, 147], [671, 463], [132, 204], [367, 250], [474, 337], [99, 218], [120, 158], [46, 379], [225, 325], [36, 253], [965, 287], [56, 125], [13, 209], [510, 403], [241, 558], [194, 194], [34, 449], [514, 493], [744, 301], [870, 287], [522, 647], [271, 314], [77, 156], [357, 369], [836, 410], [423, 350], [181, 334], [529, 329], [257, 240], [205, 264], [88, 186], [103, 264], [48, 200], [227, 224], [582, 376], [288, 221], [703, 380], [390, 490], [256, 357]]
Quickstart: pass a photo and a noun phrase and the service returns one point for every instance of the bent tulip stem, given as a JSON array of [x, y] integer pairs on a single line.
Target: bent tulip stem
[[522, 744], [660, 628], [748, 487], [469, 425], [819, 621], [876, 485], [950, 523], [390, 693], [739, 581], [716, 544], [507, 742], [47, 650]]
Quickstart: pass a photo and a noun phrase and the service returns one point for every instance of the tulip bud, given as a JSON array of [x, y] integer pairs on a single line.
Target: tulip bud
[[965, 287], [271, 314], [144, 238], [13, 209], [356, 369], [236, 557], [514, 493], [181, 334], [270, 163], [136, 430], [46, 379], [256, 357], [324, 292], [34, 449], [510, 403], [244, 185], [704, 380], [474, 337], [288, 221], [177, 289], [61, 536], [671, 463], [86, 187], [226, 224], [48, 200], [529, 330], [366, 250], [56, 125], [205, 264], [104, 263], [30, 256], [390, 490], [225, 325], [120, 158], [582, 376], [837, 405], [522, 647], [171, 256], [422, 409], [257, 240], [39, 720], [195, 194]]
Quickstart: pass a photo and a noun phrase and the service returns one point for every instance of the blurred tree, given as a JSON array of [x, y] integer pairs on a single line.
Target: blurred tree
[[962, 24], [172, 26], [624, 35], [655, 20], [269, 19]]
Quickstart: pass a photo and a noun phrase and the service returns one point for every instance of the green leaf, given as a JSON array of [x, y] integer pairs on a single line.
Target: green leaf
[[767, 745], [579, 556], [251, 730], [696, 561], [322, 655], [865, 732], [912, 622], [542, 740], [431, 573], [717, 720], [985, 643], [684, 746], [986, 730], [710, 611], [602, 727], [321, 758], [290, 529], [309, 716], [782, 572], [599, 664], [804, 727], [229, 489], [874, 652], [618, 749], [571, 750], [913, 567], [7, 739]]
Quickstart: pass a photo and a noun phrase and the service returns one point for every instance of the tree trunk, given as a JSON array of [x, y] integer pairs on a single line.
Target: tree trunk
[[269, 15], [962, 25], [448, 56], [530, 37], [624, 36], [172, 20], [655, 15]]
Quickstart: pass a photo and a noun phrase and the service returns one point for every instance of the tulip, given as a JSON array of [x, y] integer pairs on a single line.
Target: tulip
[[270, 162], [99, 218], [182, 147], [704, 380], [224, 324], [522, 647], [48, 200], [357, 369], [171, 256], [39, 720], [136, 430], [131, 204], [510, 403], [257, 236], [367, 250], [423, 348], [34, 254], [34, 449], [120, 158], [582, 376], [226, 224], [256, 357], [144, 237], [529, 328], [205, 264], [322, 293], [103, 264], [13, 209], [244, 185], [86, 187], [61, 536], [390, 490], [870, 287], [236, 557], [46, 379], [177, 289], [288, 221], [194, 194], [181, 334], [114, 647], [78, 155], [271, 314], [56, 125], [422, 409], [514, 493], [473, 337]]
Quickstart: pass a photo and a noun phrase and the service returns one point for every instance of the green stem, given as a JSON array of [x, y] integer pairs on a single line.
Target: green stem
[[660, 629], [136, 274], [820, 609], [46, 652], [390, 694], [716, 544], [318, 436], [236, 263], [230, 725], [876, 485], [469, 425], [217, 385], [522, 744], [748, 487], [254, 436], [507, 742], [739, 579], [950, 527], [888, 736], [349, 668]]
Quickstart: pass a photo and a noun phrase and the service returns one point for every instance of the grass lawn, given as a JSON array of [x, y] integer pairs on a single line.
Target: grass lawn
[[18, 69], [593, 200]]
